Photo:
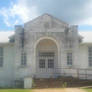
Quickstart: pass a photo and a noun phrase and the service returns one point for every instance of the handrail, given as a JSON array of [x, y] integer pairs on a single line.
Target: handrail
[[73, 72]]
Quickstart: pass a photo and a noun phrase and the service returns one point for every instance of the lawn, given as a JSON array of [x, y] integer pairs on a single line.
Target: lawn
[[15, 90], [47, 90], [88, 89]]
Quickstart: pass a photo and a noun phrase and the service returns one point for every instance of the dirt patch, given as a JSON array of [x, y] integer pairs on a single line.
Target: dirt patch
[[59, 90], [74, 90]]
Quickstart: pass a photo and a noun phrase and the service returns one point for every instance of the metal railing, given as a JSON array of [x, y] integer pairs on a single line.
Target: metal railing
[[71, 72]]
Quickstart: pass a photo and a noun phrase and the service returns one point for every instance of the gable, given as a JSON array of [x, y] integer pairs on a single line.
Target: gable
[[45, 22]]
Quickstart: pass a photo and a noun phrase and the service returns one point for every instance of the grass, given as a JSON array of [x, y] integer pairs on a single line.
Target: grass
[[15, 90], [88, 89], [29, 90]]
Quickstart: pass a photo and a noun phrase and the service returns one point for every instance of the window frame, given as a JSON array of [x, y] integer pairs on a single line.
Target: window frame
[[69, 58], [90, 57], [42, 63], [23, 59], [1, 56], [51, 63]]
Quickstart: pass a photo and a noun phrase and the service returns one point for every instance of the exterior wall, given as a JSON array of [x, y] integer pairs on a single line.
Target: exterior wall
[[45, 28], [85, 69], [7, 71], [83, 56], [83, 52]]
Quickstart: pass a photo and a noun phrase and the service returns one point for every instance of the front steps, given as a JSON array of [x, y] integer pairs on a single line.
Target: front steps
[[60, 82]]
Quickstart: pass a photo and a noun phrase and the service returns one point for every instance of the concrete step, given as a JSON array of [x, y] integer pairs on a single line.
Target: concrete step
[[60, 82]]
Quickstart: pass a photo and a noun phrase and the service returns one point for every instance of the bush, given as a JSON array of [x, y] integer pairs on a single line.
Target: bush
[[64, 85]]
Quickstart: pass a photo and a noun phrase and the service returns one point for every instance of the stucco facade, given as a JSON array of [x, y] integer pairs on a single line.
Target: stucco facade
[[43, 34]]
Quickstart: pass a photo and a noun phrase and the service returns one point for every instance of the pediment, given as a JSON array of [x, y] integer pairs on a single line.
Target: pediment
[[45, 21]]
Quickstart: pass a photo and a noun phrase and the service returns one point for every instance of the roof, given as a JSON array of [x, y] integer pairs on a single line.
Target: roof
[[4, 36], [87, 36]]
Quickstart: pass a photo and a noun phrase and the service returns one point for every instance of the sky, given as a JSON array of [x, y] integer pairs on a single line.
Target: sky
[[17, 12]]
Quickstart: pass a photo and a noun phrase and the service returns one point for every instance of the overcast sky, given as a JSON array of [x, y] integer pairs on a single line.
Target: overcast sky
[[13, 12]]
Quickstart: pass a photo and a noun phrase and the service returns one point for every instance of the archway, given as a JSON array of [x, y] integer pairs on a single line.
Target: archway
[[46, 57]]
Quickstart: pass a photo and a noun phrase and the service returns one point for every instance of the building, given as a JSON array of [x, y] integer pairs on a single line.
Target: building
[[44, 47]]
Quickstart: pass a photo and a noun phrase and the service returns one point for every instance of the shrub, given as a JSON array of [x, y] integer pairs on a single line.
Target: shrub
[[64, 85]]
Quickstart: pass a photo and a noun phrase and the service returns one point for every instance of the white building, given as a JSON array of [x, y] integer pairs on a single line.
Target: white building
[[44, 47]]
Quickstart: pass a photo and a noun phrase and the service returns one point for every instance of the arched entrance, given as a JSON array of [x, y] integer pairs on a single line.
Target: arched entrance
[[46, 57]]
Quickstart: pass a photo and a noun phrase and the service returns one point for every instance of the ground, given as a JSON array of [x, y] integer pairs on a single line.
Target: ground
[[47, 90], [15, 90], [60, 90], [88, 89]]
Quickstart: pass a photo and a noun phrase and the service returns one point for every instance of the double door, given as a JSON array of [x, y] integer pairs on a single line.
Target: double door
[[46, 62]]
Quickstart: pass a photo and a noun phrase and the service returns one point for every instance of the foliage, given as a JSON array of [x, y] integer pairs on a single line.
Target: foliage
[[33, 83], [64, 85]]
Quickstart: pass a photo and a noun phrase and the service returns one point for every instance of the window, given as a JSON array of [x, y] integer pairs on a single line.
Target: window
[[46, 54], [70, 44], [23, 59], [90, 56], [69, 58], [1, 56], [50, 63], [42, 63]]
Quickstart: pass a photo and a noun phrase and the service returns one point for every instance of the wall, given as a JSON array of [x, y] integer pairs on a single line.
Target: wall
[[83, 56], [40, 28], [7, 71]]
